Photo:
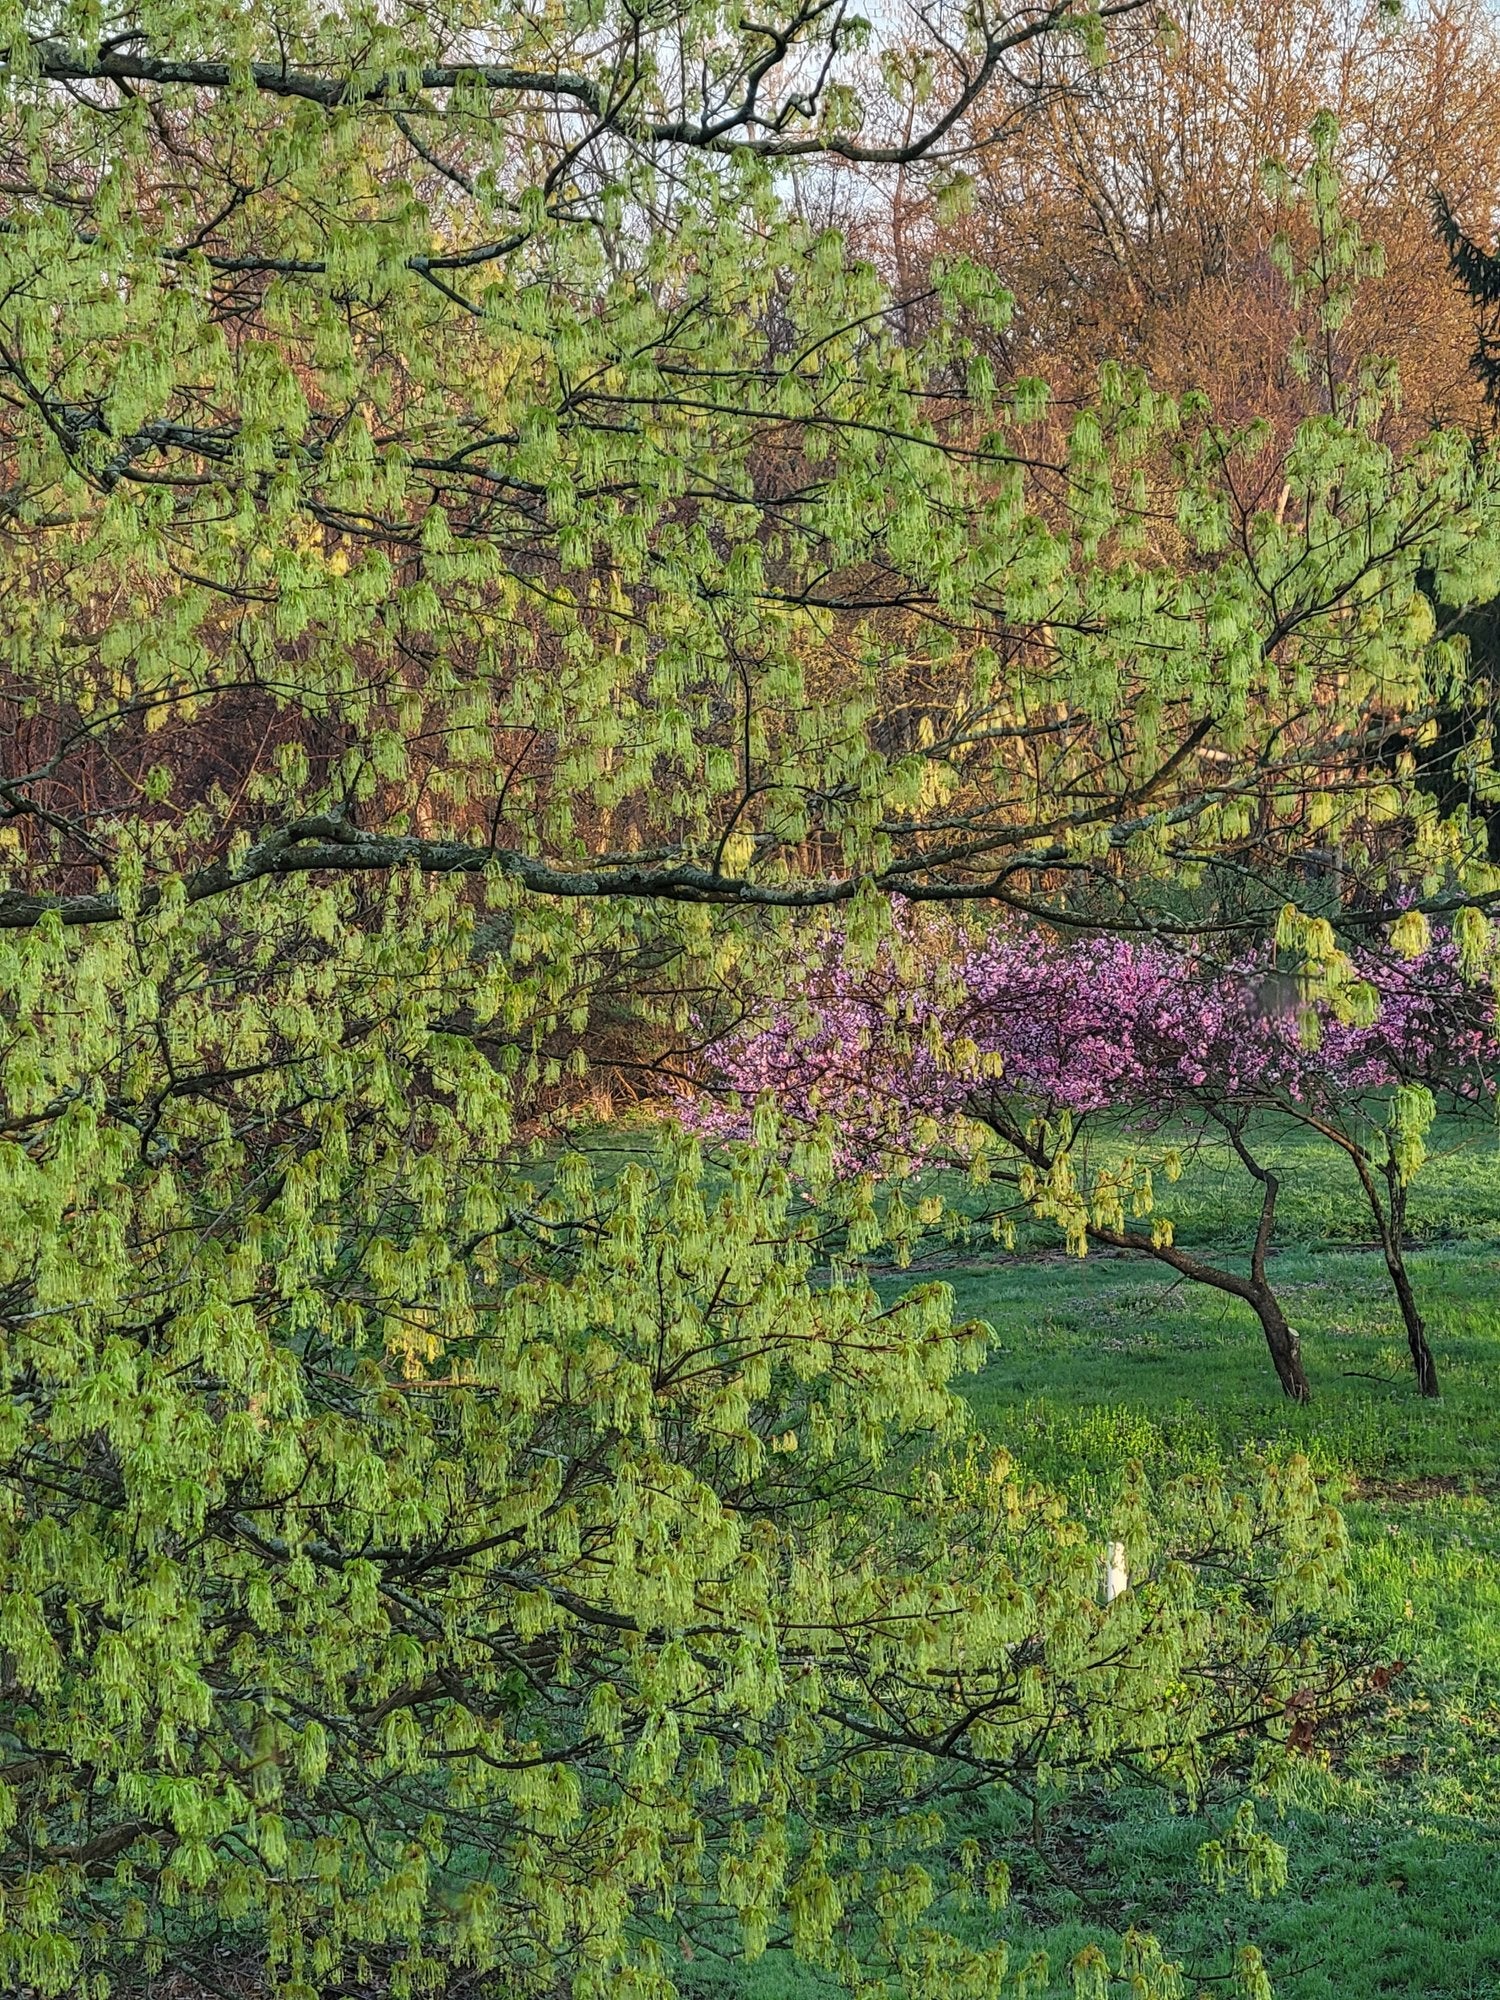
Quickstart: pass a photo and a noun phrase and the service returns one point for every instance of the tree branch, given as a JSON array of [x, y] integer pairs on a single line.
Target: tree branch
[[742, 126]]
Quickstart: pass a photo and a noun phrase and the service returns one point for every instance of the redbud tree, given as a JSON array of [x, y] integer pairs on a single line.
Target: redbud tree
[[939, 1049]]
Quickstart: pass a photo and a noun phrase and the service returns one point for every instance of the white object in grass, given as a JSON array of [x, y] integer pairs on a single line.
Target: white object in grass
[[1116, 1575]]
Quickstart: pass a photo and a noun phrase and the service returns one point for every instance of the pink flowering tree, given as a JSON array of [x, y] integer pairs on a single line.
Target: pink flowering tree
[[934, 1054], [1000, 1058]]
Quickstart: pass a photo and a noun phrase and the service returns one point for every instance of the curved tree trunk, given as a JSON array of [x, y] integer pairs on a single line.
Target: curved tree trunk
[[1392, 1233], [1281, 1338], [1256, 1289]]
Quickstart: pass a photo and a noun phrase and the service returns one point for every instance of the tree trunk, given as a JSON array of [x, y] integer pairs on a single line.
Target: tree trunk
[[1391, 1235], [1390, 1225], [1416, 1330], [1256, 1290], [1283, 1341]]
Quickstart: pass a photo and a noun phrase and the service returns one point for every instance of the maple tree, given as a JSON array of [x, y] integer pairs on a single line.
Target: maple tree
[[464, 532], [526, 511]]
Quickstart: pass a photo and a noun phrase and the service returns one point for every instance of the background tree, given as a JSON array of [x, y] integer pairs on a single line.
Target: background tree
[[946, 1044], [1132, 219], [1371, 1086], [998, 1057]]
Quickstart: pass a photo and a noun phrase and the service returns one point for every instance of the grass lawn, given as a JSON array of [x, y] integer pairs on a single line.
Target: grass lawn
[[1393, 1832], [1394, 1841]]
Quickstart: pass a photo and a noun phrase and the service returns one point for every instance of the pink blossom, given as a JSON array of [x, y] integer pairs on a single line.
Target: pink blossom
[[1080, 1026]]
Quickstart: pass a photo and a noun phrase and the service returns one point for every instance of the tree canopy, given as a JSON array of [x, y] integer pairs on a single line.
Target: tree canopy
[[397, 477], [465, 530]]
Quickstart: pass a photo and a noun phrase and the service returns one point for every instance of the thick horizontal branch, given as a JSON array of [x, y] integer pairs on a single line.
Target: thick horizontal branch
[[739, 126], [58, 63], [327, 844]]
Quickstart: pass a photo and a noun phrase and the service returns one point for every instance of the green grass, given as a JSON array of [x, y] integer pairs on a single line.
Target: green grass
[[1394, 1841], [1394, 1844], [1455, 1198], [1393, 1830]]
